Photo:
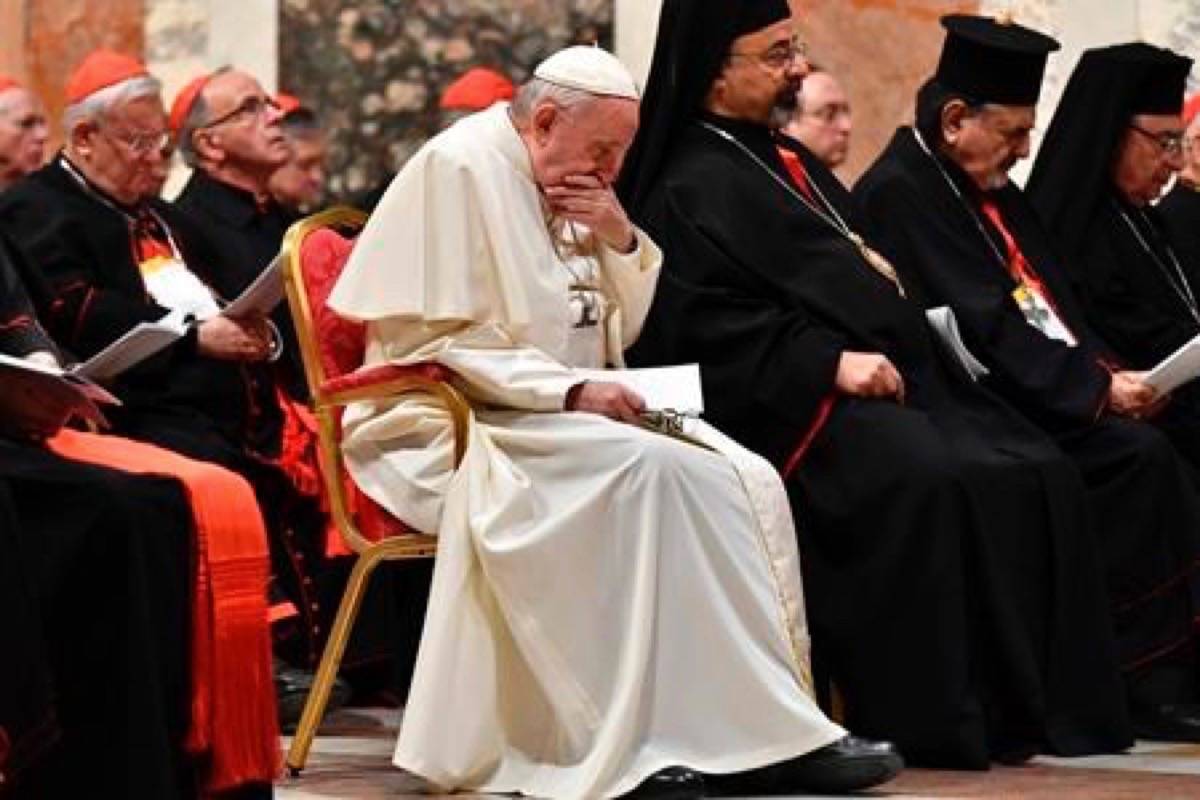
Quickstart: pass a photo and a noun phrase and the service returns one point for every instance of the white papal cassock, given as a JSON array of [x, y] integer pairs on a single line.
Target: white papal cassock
[[606, 601]]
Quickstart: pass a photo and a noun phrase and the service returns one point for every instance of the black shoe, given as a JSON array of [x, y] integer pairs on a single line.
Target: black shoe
[[1168, 723], [672, 783], [848, 765], [292, 686]]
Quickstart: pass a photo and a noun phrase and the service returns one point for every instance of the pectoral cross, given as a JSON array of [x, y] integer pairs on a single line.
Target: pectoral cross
[[589, 309]]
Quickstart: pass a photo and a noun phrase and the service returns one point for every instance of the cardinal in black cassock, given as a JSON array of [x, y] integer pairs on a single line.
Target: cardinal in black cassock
[[93, 608], [951, 573], [940, 207]]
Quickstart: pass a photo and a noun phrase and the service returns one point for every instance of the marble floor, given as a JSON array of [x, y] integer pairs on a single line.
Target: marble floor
[[351, 758]]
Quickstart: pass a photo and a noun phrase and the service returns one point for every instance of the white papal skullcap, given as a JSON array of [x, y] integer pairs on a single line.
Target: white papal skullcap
[[588, 69]]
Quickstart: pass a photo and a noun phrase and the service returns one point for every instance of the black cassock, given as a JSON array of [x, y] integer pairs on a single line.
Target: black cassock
[[949, 253], [951, 578], [237, 239], [94, 614], [76, 249], [1170, 321]]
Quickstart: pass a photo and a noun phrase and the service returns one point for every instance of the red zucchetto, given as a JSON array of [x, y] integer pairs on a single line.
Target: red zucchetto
[[1191, 108], [185, 100], [287, 103], [475, 90], [101, 69]]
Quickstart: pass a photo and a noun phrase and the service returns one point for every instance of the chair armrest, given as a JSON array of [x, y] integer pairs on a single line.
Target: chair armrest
[[390, 380], [374, 381]]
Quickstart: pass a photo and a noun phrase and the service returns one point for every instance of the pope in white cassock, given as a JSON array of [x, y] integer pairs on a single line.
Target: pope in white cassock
[[608, 602]]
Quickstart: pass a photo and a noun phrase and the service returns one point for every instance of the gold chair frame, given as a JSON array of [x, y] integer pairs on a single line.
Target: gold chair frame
[[325, 406]]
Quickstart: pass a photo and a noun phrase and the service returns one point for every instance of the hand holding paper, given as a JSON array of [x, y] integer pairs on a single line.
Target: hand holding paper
[[38, 400], [1130, 395], [608, 398], [244, 339], [1176, 369], [660, 388]]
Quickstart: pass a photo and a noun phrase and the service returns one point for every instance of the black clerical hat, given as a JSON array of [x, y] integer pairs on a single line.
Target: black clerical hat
[[754, 15], [1161, 77], [992, 61]]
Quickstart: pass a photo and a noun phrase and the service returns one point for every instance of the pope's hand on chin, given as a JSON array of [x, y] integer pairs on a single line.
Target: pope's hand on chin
[[579, 180]]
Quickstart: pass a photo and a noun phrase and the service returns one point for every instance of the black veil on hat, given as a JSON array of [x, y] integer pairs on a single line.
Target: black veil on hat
[[694, 37], [1109, 86], [992, 61]]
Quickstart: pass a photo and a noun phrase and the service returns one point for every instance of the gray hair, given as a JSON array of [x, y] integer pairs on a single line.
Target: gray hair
[[537, 91], [99, 104], [197, 118]]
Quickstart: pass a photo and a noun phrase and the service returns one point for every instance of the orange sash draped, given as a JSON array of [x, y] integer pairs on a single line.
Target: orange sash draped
[[233, 719]]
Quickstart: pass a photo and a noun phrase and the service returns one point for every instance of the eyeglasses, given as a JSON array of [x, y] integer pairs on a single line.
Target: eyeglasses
[[142, 143], [253, 107], [778, 56], [1170, 142]]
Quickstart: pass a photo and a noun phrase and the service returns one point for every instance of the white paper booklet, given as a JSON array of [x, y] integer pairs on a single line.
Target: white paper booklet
[[1176, 369], [139, 343], [676, 387], [945, 325], [261, 296]]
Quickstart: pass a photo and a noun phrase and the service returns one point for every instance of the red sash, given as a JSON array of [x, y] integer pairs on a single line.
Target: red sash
[[233, 718]]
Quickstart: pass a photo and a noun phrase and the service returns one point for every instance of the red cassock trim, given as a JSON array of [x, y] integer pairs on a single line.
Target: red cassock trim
[[819, 420]]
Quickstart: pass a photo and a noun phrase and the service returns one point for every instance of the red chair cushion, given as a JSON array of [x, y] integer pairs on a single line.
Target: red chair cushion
[[342, 345], [373, 520], [374, 376], [341, 342]]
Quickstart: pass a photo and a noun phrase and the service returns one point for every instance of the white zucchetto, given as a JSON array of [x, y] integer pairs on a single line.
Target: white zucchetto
[[588, 69]]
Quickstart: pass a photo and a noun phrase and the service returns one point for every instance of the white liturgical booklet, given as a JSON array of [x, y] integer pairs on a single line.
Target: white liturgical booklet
[[676, 388], [945, 325], [139, 343], [261, 296], [1176, 369]]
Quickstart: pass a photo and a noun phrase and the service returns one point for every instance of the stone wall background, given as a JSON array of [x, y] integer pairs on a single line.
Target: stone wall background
[[375, 68]]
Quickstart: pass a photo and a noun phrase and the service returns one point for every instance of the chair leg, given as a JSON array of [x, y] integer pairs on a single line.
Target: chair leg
[[331, 659]]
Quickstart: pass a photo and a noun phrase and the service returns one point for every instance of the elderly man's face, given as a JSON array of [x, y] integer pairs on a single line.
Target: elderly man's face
[[122, 151], [301, 181], [762, 73], [1148, 154], [243, 124], [23, 133], [823, 123], [589, 139], [989, 141]]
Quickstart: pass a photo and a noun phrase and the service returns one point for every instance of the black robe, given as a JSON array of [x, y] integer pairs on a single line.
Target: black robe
[[238, 239], [209, 409], [1179, 215], [1179, 212], [1128, 299], [951, 579], [94, 613], [1144, 503]]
